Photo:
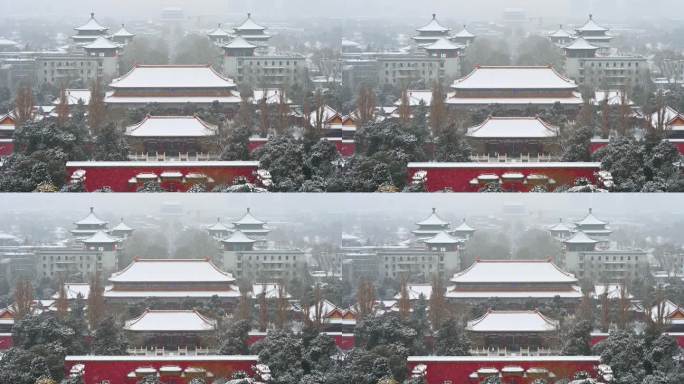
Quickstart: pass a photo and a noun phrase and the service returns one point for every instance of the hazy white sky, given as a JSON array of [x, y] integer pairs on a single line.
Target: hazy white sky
[[279, 9]]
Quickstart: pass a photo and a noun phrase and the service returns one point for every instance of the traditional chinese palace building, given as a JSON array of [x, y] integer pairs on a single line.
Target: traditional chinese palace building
[[525, 139], [182, 137], [514, 282], [89, 225], [514, 332], [170, 331], [431, 226], [89, 32], [431, 32], [170, 282], [252, 32], [514, 89], [594, 33], [172, 86]]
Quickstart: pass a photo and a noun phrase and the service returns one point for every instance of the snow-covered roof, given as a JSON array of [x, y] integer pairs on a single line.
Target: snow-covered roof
[[172, 76], [327, 113], [100, 237], [668, 114], [92, 25], [433, 219], [272, 96], [560, 33], [91, 219], [123, 32], [73, 290], [514, 77], [464, 227], [464, 33], [580, 44], [7, 42], [114, 99], [442, 238], [248, 219], [574, 293], [171, 126], [122, 227], [614, 291], [74, 95], [513, 271], [239, 43], [591, 26], [580, 238], [101, 43], [668, 311], [218, 226], [534, 164], [512, 321], [560, 227], [443, 44], [249, 25], [179, 358], [416, 290], [415, 96], [218, 32], [171, 270], [170, 321], [513, 127], [612, 97], [590, 219], [271, 290], [574, 99], [433, 26], [238, 237]]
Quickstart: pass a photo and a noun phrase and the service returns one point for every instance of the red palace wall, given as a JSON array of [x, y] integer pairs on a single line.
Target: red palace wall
[[6, 341], [116, 174], [256, 143], [457, 369], [457, 176], [345, 149], [344, 341], [115, 369], [597, 144], [6, 149]]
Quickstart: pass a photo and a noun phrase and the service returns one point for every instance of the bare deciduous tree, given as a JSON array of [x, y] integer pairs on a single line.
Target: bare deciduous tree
[[62, 108], [404, 299], [263, 312], [23, 104], [96, 306], [438, 309], [23, 298], [282, 307], [366, 104], [62, 302], [404, 107], [97, 110], [365, 297]]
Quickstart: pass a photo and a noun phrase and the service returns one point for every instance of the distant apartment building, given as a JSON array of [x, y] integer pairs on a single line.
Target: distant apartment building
[[590, 60], [589, 255], [248, 59], [436, 250]]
